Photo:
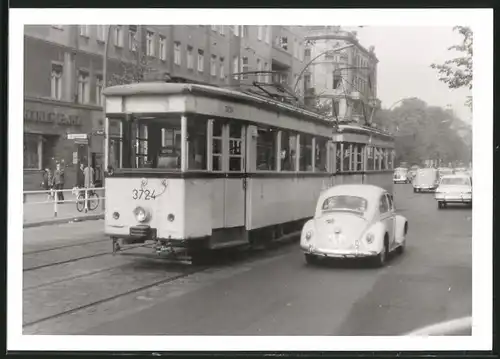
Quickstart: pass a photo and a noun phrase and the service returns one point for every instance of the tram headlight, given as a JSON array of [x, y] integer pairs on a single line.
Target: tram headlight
[[116, 215], [141, 214]]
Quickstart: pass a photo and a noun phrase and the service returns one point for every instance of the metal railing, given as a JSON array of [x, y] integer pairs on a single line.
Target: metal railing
[[84, 199]]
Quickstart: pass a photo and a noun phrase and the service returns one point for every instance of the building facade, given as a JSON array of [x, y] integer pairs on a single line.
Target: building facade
[[63, 77], [346, 78]]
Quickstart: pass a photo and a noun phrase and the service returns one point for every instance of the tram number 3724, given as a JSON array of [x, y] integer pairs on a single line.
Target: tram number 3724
[[143, 194]]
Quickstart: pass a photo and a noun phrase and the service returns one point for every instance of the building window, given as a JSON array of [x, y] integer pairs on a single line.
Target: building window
[[101, 33], [268, 34], [83, 87], [266, 149], [150, 48], [244, 31], [337, 81], [235, 66], [301, 52], [259, 32], [244, 67], [190, 57], [98, 90], [222, 75], [201, 59], [163, 48], [307, 53], [132, 39], [213, 65], [259, 68], [283, 42], [295, 49], [177, 53], [221, 30], [236, 30], [118, 36], [266, 69], [32, 151], [84, 30], [56, 81]]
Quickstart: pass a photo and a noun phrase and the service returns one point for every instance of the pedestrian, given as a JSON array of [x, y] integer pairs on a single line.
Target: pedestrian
[[88, 174], [59, 182], [47, 182], [80, 177]]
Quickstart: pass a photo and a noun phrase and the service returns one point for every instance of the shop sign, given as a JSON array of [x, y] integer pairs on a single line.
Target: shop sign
[[51, 117]]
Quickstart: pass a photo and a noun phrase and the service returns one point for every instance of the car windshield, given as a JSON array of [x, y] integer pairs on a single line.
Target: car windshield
[[339, 203], [456, 181]]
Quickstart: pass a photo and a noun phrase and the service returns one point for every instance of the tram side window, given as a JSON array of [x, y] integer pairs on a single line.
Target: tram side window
[[338, 157], [383, 158], [288, 151], [217, 145], [320, 154], [370, 160], [197, 143], [141, 133], [305, 162], [235, 146], [347, 157], [115, 142], [266, 149], [360, 157]]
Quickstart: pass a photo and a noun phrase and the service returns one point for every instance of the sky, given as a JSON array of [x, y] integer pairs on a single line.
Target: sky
[[405, 55]]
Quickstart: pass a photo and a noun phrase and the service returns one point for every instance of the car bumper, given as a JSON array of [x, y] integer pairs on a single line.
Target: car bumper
[[338, 253], [400, 180], [454, 198], [426, 188]]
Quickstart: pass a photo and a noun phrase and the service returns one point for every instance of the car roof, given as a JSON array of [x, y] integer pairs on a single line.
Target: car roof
[[456, 176], [369, 192]]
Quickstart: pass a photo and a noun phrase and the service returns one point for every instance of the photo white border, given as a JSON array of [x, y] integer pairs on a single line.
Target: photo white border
[[481, 21]]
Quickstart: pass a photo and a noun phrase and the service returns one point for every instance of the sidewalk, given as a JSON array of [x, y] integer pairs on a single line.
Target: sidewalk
[[39, 214]]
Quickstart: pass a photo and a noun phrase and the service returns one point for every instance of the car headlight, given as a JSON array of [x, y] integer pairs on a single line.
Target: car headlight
[[141, 214], [370, 238], [309, 235]]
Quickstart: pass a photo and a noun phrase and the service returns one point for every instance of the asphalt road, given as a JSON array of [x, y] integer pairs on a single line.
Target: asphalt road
[[276, 294], [281, 295]]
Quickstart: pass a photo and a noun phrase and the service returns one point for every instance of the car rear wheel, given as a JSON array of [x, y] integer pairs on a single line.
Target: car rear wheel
[[402, 247], [310, 259], [381, 258]]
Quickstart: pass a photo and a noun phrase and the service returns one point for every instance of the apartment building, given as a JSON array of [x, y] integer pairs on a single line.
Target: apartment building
[[63, 77], [347, 78]]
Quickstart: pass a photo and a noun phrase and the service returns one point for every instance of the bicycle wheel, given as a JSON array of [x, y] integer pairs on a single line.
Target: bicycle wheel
[[93, 201], [80, 203]]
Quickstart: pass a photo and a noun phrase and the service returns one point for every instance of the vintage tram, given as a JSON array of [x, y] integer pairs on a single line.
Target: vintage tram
[[200, 168]]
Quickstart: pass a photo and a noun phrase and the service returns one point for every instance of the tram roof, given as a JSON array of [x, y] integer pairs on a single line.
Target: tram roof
[[166, 88]]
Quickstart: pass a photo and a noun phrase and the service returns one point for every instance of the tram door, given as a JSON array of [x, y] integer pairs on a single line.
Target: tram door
[[235, 181]]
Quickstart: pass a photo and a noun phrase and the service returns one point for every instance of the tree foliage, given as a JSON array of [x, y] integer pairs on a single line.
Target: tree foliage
[[425, 132], [457, 72], [132, 71]]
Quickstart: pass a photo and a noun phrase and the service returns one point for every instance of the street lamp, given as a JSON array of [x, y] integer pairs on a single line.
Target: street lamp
[[321, 54], [105, 82]]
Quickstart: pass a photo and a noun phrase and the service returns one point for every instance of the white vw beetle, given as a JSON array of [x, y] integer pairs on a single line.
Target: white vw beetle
[[354, 221]]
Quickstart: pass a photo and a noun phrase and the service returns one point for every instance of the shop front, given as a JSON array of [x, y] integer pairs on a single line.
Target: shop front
[[46, 144]]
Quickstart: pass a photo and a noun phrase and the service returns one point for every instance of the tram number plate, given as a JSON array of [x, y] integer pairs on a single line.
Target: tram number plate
[[145, 194]]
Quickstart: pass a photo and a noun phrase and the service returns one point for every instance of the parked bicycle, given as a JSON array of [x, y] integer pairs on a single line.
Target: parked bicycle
[[92, 198]]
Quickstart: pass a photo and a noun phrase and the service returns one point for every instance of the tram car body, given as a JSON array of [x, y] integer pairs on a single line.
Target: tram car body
[[201, 168]]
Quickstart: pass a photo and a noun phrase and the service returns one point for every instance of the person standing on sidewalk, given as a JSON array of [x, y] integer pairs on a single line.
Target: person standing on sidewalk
[[59, 182], [47, 183], [80, 177]]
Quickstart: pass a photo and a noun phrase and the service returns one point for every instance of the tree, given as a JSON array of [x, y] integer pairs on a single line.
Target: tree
[[425, 132], [457, 72], [132, 71]]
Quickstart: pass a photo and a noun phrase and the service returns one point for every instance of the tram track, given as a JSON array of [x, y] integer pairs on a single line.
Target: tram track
[[244, 257], [65, 246]]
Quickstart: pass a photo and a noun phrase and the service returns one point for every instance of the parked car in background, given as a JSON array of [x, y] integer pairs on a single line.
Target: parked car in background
[[454, 189], [426, 179], [445, 171], [354, 221], [401, 175]]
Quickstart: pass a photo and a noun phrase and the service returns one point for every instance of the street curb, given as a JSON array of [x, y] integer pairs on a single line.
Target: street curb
[[63, 220]]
